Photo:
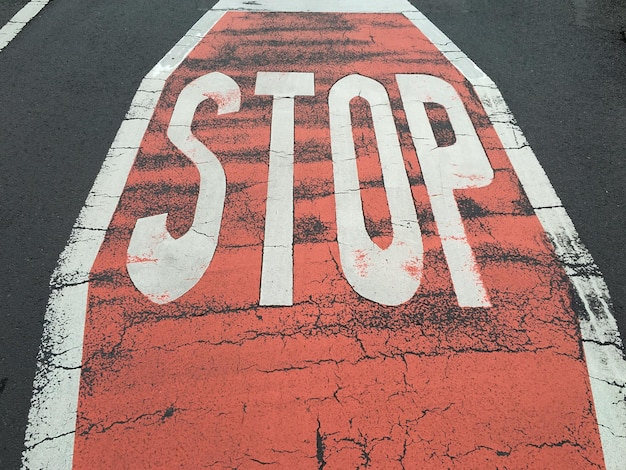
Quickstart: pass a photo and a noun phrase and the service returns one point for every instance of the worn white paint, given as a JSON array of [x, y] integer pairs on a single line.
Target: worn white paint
[[49, 441], [10, 30], [392, 275], [162, 267], [604, 351], [602, 345], [52, 418], [277, 267], [462, 165]]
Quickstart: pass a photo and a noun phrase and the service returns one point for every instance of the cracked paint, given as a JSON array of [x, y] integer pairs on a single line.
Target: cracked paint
[[214, 380]]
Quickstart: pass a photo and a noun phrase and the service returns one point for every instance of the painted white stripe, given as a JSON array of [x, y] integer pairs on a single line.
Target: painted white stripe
[[49, 442], [52, 419], [10, 30], [602, 345]]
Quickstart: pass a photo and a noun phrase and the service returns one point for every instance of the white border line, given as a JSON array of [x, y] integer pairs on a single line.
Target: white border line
[[49, 441], [52, 419], [601, 340], [10, 30]]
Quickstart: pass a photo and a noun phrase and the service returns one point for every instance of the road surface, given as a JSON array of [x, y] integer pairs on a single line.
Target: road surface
[[69, 77]]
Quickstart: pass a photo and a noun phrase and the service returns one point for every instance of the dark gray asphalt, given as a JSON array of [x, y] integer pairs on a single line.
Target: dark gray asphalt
[[68, 79]]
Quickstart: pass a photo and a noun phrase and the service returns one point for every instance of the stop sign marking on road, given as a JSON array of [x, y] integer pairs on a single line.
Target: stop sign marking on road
[[164, 268], [309, 246]]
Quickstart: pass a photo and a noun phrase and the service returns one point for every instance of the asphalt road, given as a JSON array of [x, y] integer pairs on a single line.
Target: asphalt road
[[69, 77]]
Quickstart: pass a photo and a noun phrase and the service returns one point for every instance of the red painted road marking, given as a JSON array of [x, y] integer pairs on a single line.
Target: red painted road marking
[[262, 383], [340, 378]]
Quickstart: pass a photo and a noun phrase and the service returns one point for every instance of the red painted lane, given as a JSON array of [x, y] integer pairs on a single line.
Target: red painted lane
[[212, 379]]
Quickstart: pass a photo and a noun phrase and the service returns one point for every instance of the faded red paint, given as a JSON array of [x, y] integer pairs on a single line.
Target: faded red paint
[[212, 380]]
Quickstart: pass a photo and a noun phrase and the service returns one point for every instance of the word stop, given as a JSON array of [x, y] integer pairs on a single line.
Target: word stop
[[164, 268]]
